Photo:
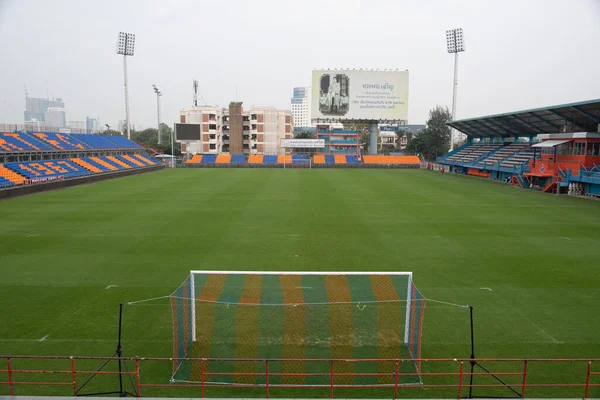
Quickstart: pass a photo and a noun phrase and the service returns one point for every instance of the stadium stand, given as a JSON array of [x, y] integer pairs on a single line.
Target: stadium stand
[[473, 153], [133, 160], [329, 159], [238, 159], [319, 159], [11, 176], [96, 141], [48, 169], [107, 165], [284, 159], [4, 183], [223, 159], [196, 159], [209, 158], [392, 160], [146, 158], [122, 141], [255, 159], [351, 160], [269, 160], [61, 141], [19, 141], [116, 161], [86, 165], [299, 158], [340, 159]]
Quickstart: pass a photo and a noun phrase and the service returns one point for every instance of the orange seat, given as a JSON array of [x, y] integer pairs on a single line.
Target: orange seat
[[119, 162], [223, 159], [11, 175], [255, 159], [339, 159], [86, 165], [196, 159], [319, 159], [134, 160], [104, 163]]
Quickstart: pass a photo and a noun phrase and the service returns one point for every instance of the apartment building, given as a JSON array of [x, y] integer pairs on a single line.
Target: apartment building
[[234, 130]]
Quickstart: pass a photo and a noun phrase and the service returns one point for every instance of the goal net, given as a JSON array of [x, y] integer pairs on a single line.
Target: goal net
[[293, 318]]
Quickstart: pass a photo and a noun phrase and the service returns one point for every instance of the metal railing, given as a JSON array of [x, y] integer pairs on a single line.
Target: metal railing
[[457, 375]]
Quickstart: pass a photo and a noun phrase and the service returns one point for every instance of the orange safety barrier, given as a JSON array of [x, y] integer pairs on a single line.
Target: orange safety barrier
[[133, 160], [119, 162], [319, 159], [476, 172], [86, 165], [104, 163], [284, 159], [196, 159], [392, 160], [223, 159], [11, 175], [339, 159], [514, 375], [255, 159]]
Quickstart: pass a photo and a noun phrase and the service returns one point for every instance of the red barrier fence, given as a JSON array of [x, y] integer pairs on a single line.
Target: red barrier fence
[[459, 374]]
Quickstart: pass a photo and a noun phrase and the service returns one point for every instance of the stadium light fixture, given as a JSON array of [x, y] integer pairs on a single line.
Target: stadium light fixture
[[158, 94], [455, 42], [125, 47]]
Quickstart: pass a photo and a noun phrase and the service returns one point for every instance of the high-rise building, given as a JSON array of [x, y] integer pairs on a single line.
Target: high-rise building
[[300, 106], [35, 108], [234, 130], [55, 117], [92, 124]]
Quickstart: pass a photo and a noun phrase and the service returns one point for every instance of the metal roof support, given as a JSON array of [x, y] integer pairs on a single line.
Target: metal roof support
[[590, 116], [529, 124]]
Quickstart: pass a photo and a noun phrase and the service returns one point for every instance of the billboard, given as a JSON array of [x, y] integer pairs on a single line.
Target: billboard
[[303, 143], [365, 95], [187, 131]]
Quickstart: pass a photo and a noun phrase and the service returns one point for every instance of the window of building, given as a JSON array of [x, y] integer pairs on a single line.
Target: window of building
[[212, 146], [578, 148], [593, 149], [212, 126]]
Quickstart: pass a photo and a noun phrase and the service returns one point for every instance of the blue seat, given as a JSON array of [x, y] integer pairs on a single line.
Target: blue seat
[[270, 160], [4, 183], [299, 158], [61, 141], [209, 158], [238, 159], [95, 164], [48, 169], [126, 161], [122, 141], [96, 141], [20, 141], [330, 159], [114, 164], [351, 160]]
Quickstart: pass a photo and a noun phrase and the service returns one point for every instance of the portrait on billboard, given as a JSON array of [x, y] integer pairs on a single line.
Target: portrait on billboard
[[334, 96]]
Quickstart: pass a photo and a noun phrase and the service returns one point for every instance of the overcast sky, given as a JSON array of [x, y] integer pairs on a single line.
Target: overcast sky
[[520, 54]]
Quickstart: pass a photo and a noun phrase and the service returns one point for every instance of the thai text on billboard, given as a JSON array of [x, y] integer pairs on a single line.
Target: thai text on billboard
[[366, 95], [303, 143]]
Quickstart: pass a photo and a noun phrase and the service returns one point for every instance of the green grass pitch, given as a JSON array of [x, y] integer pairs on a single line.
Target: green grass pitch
[[528, 262]]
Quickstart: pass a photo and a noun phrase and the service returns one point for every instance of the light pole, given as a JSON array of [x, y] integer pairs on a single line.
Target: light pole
[[456, 44], [125, 46], [158, 94]]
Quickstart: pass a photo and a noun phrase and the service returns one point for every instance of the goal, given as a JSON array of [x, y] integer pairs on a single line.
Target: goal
[[298, 161], [293, 318]]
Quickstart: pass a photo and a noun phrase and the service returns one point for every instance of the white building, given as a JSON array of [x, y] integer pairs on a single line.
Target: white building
[[234, 130], [55, 117], [300, 107]]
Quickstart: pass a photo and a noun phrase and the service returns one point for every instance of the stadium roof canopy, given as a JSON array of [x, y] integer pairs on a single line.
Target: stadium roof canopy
[[574, 117]]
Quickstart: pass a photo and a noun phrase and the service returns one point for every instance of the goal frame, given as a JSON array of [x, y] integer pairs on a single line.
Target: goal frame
[[200, 272], [291, 165]]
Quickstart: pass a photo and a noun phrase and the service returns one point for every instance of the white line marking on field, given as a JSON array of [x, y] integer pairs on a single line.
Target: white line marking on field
[[485, 288], [566, 238], [44, 338], [109, 286], [542, 330], [304, 287], [31, 236]]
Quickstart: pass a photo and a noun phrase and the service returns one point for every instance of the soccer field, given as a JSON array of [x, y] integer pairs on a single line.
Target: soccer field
[[526, 261]]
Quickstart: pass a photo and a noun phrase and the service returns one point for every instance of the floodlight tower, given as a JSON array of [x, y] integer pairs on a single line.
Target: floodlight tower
[[158, 94], [125, 46], [456, 44]]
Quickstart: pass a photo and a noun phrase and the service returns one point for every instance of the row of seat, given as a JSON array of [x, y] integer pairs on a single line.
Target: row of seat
[[17, 173], [48, 141], [252, 159], [319, 159]]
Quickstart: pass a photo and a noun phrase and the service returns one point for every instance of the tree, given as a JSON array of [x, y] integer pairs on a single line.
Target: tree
[[305, 135], [437, 133]]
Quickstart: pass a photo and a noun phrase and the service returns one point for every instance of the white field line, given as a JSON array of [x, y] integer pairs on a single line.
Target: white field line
[[44, 338], [541, 329], [485, 288], [109, 286]]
